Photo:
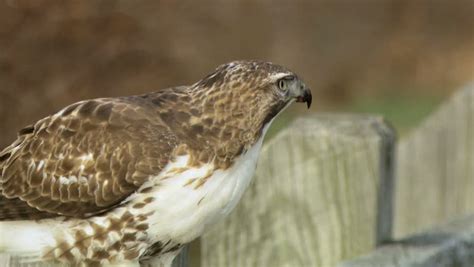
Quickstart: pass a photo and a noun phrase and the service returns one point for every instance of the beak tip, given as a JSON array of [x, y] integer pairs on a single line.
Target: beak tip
[[305, 98], [309, 99]]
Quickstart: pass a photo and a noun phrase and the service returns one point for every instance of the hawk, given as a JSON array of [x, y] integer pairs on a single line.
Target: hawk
[[130, 180]]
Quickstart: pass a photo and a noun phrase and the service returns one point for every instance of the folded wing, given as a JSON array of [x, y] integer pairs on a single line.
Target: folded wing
[[83, 160]]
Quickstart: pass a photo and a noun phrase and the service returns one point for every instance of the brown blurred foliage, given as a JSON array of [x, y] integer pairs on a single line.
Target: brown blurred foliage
[[53, 53]]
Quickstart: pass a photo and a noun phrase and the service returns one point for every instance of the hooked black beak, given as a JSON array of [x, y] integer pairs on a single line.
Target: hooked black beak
[[306, 97]]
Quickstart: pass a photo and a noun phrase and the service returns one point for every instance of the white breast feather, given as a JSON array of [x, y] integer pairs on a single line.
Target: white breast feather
[[183, 212]]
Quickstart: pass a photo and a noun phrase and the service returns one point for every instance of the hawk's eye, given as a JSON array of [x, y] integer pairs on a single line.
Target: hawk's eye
[[282, 84]]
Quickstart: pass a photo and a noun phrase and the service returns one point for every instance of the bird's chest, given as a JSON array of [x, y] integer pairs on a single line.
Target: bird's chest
[[187, 201]]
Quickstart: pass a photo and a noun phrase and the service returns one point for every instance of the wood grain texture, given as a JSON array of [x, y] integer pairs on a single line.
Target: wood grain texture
[[435, 173], [314, 200]]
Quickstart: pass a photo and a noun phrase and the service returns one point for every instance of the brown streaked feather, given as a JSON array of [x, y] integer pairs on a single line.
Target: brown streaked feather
[[84, 160]]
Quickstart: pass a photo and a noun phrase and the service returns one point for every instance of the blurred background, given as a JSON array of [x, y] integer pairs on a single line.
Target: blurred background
[[399, 58]]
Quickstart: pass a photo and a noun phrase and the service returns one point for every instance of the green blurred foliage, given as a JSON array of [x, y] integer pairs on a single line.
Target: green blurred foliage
[[405, 112]]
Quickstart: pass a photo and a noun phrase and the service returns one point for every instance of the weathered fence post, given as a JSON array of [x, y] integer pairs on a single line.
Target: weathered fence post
[[315, 199], [435, 170]]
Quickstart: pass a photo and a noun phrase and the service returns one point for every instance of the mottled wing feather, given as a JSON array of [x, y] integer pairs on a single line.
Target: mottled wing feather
[[86, 158]]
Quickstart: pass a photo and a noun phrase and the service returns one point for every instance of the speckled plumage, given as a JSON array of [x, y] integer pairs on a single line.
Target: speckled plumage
[[108, 170]]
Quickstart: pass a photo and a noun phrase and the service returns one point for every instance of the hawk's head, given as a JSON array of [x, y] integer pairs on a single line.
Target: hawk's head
[[232, 106], [257, 91], [258, 78]]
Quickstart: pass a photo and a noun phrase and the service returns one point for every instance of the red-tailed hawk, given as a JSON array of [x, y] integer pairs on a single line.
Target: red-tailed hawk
[[132, 179]]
